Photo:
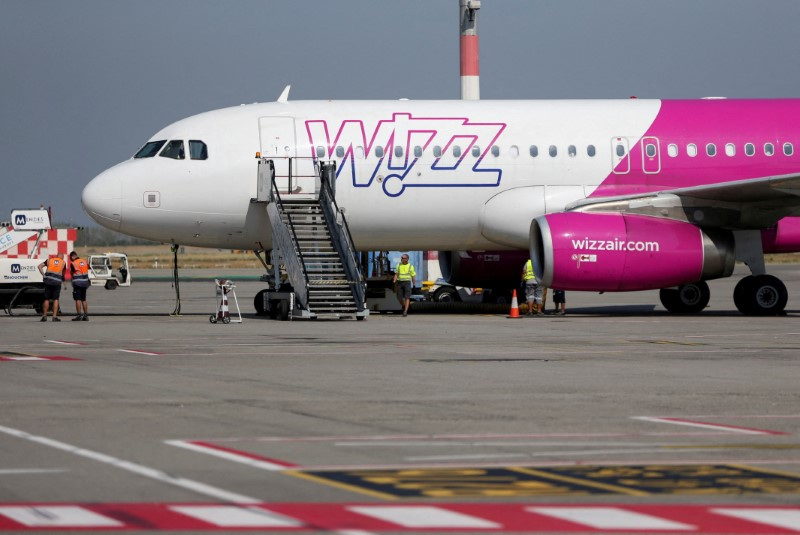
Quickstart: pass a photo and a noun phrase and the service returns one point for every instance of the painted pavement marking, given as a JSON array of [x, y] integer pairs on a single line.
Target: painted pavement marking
[[611, 518], [708, 425], [230, 516], [243, 457]]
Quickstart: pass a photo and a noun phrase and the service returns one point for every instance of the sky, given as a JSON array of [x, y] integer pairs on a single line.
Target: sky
[[84, 83]]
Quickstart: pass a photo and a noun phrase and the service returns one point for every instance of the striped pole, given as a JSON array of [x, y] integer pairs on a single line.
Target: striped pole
[[470, 71]]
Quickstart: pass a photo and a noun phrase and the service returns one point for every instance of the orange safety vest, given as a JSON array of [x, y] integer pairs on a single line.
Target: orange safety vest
[[55, 271], [80, 272]]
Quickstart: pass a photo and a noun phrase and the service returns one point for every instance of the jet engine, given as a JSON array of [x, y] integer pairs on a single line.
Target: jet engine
[[622, 252], [783, 237], [483, 269]]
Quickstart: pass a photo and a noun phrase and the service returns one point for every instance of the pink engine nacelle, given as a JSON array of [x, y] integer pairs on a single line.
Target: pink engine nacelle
[[483, 269], [783, 237], [621, 252]]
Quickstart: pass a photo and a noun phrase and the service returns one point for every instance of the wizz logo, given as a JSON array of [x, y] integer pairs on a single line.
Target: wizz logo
[[443, 152]]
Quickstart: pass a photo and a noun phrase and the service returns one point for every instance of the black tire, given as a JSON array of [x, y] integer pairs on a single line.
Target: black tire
[[111, 284], [283, 310], [446, 294], [258, 303], [761, 295], [212, 318], [687, 298], [226, 320]]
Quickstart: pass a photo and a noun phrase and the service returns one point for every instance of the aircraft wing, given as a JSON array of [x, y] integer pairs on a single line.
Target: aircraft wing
[[742, 204]]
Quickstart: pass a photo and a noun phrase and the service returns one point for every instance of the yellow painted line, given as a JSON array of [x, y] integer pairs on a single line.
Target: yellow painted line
[[339, 485], [765, 470], [577, 481]]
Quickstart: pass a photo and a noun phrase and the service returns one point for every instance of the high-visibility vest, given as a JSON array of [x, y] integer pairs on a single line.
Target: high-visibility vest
[[55, 271], [405, 272], [529, 275], [80, 273]]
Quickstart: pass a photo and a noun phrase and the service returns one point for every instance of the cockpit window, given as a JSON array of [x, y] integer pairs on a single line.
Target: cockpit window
[[150, 149], [197, 150], [174, 150]]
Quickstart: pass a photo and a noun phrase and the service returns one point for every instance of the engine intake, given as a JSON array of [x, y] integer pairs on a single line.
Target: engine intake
[[622, 252]]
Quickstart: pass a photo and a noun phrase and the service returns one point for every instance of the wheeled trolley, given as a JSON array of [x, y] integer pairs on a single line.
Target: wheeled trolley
[[225, 287]]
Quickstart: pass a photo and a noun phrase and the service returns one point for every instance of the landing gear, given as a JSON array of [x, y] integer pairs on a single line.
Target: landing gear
[[686, 299], [258, 303], [760, 295]]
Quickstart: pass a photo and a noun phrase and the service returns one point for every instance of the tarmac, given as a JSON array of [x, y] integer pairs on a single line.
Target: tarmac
[[618, 402]]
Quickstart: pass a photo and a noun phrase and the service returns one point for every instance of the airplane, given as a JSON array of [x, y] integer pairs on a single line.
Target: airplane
[[602, 195]]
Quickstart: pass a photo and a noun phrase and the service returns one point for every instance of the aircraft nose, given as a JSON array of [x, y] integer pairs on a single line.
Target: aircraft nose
[[102, 199]]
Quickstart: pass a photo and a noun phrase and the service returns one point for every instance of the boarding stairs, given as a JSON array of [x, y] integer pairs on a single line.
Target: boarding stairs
[[310, 238]]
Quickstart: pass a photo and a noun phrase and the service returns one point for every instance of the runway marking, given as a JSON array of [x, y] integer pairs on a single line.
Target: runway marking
[[243, 457], [29, 358], [140, 352], [188, 484], [356, 518], [15, 471], [708, 425], [64, 342]]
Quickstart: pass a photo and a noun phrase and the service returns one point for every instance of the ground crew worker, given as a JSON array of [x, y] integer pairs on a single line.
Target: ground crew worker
[[405, 276], [53, 279], [79, 269], [533, 290]]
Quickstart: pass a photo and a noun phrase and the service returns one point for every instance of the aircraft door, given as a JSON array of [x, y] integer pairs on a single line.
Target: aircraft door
[[620, 155], [651, 155], [277, 141]]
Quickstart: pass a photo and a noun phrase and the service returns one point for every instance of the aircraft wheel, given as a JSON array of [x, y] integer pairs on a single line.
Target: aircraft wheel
[[258, 303], [761, 295], [283, 310], [686, 299]]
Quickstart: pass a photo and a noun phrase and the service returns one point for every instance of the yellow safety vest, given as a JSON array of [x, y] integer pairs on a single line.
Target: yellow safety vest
[[529, 271], [405, 272]]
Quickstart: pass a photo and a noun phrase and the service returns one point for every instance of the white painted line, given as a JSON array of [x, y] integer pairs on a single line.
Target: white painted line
[[188, 484], [707, 425], [62, 342], [139, 352], [781, 518], [14, 471], [610, 518], [228, 516], [230, 456], [421, 516], [6, 357], [58, 516]]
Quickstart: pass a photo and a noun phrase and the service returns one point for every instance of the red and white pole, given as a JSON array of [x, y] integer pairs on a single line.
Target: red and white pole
[[470, 71]]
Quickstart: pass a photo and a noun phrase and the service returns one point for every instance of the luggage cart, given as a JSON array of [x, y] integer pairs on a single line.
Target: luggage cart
[[223, 288]]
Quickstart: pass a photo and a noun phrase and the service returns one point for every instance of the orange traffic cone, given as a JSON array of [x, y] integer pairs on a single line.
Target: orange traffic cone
[[514, 306]]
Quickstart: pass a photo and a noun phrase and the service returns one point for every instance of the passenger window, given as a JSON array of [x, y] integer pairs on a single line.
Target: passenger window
[[320, 151], [672, 150], [150, 149], [730, 149], [379, 152], [711, 149], [437, 151], [691, 150], [418, 152], [553, 151], [513, 151], [360, 152], [769, 149], [749, 149], [620, 150], [788, 149], [174, 150], [534, 151], [476, 151], [456, 150], [650, 150], [398, 152], [340, 152], [572, 151], [495, 151], [197, 150], [591, 151]]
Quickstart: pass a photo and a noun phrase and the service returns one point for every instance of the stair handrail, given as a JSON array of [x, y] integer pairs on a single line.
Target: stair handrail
[[326, 191], [293, 252]]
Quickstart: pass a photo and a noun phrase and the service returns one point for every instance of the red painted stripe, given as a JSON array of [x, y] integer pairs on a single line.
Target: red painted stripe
[[517, 517], [469, 55], [21, 358], [242, 453]]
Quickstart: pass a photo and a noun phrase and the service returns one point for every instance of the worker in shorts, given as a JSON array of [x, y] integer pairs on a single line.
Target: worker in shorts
[[560, 300], [533, 290], [52, 271], [79, 269], [405, 276]]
